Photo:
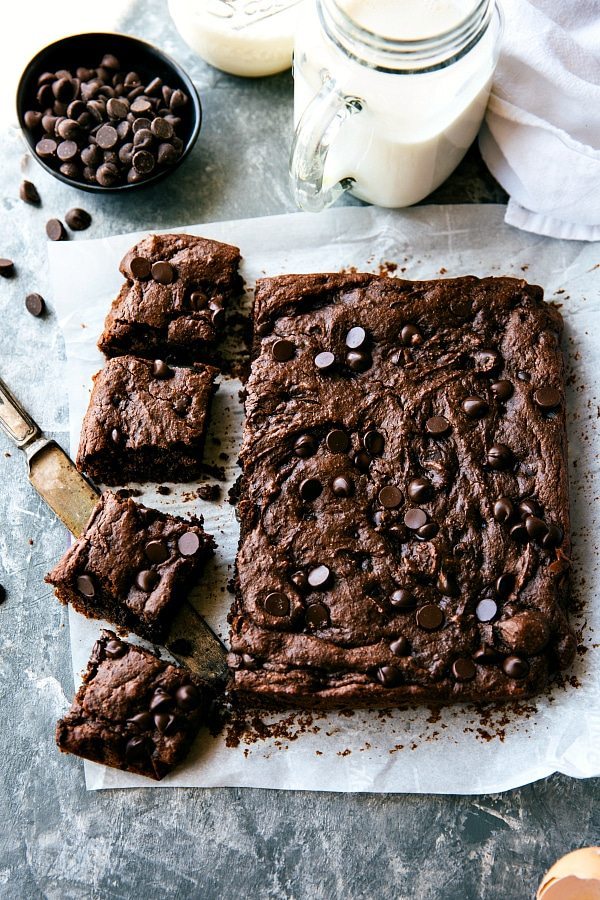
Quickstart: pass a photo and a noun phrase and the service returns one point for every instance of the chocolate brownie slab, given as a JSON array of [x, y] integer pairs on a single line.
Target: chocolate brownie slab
[[132, 566], [133, 711], [173, 302], [146, 421], [404, 508]]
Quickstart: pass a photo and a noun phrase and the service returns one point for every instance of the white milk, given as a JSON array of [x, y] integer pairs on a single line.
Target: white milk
[[413, 129]]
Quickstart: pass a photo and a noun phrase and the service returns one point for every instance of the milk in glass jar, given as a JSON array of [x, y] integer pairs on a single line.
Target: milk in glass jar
[[388, 95]]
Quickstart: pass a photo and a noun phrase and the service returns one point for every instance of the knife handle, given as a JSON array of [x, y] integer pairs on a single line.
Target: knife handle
[[14, 421]]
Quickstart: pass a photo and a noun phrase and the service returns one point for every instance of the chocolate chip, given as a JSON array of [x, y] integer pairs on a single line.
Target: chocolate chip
[[55, 230], [117, 107], [388, 676], [35, 304], [502, 390], [486, 655], [400, 647], [515, 667], [547, 398], [107, 137], [163, 272], [529, 507], [356, 338], [67, 151], [554, 537], [85, 586], [160, 369], [147, 580], [428, 531], [198, 301], [2, 593], [503, 510], [115, 649], [107, 175], [500, 457], [411, 336], [162, 129], [325, 361], [310, 489], [78, 219], [475, 407], [46, 148], [29, 193], [143, 721], [137, 749], [166, 723], [536, 528], [7, 268], [115, 436], [373, 442], [337, 441], [317, 615], [505, 585], [156, 551], [486, 610], [217, 316], [277, 604], [430, 617], [188, 697], [358, 360], [437, 426], [188, 543], [342, 486], [463, 669], [141, 105], [519, 533], [419, 489], [162, 701], [182, 404], [282, 350], [362, 460], [306, 446], [300, 580], [143, 163], [415, 518], [32, 118], [402, 599], [143, 139], [319, 577], [390, 496]]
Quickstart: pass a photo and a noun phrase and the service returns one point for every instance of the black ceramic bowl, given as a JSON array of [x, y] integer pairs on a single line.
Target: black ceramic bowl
[[134, 55]]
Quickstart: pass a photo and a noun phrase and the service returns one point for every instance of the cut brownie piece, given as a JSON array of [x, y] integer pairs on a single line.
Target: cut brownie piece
[[132, 566], [146, 421], [133, 711], [174, 300], [404, 509]]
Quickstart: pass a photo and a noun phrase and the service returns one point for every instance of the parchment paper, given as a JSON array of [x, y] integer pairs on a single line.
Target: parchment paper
[[461, 749]]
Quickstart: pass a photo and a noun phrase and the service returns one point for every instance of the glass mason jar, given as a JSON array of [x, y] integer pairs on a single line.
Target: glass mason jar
[[388, 96]]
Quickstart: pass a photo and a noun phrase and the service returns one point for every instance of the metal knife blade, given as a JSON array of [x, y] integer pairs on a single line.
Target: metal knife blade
[[72, 498]]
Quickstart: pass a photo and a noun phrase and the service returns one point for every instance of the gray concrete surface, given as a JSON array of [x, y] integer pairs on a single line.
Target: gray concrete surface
[[59, 842]]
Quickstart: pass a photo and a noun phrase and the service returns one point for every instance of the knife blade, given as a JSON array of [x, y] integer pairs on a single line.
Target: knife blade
[[72, 498]]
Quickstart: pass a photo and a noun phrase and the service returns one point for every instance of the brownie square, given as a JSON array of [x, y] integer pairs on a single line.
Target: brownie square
[[132, 566], [404, 508], [173, 302], [133, 711], [146, 421]]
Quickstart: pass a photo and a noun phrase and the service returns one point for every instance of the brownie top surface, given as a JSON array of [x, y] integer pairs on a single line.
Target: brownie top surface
[[386, 420]]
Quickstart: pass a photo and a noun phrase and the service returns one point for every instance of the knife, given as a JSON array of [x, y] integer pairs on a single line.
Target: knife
[[72, 498]]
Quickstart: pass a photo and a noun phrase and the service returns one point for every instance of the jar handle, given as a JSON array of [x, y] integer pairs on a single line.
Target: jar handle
[[316, 131]]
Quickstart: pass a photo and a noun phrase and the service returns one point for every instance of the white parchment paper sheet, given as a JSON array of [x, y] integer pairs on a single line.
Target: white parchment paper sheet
[[460, 749]]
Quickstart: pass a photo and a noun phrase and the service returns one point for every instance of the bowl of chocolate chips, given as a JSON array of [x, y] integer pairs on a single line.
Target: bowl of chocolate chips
[[107, 112]]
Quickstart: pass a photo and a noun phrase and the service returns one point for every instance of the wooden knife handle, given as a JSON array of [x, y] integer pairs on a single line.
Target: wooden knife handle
[[14, 421]]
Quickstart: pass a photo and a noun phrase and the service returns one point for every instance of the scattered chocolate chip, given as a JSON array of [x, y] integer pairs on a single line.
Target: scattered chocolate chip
[[115, 649], [78, 219], [188, 543], [325, 361], [505, 585], [143, 721], [547, 398], [536, 528], [515, 667], [29, 193], [317, 615], [35, 304], [503, 510], [358, 360], [519, 533], [463, 669], [437, 426], [411, 336], [415, 518], [342, 486], [373, 442], [187, 697], [136, 749], [502, 390], [2, 594], [553, 538], [319, 577], [486, 655], [430, 617], [7, 268], [115, 436], [85, 586], [156, 551], [402, 599], [147, 580], [163, 272], [400, 647], [160, 369], [356, 338], [277, 604], [300, 580], [162, 701], [337, 441], [388, 676], [486, 610], [282, 350], [475, 407], [362, 460], [310, 489], [419, 489], [500, 457], [55, 230], [306, 446], [428, 531], [198, 301], [529, 507], [390, 496], [166, 723]]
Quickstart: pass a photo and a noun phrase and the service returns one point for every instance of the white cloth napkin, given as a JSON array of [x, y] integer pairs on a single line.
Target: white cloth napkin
[[541, 135]]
